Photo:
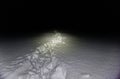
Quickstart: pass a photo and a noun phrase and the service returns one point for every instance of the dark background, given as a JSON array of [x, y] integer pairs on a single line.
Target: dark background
[[112, 7], [16, 4], [83, 19]]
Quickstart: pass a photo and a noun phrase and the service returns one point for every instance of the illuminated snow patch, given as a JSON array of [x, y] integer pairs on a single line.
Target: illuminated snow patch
[[40, 64]]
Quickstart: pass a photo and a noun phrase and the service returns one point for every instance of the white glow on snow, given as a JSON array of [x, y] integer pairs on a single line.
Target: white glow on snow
[[40, 64]]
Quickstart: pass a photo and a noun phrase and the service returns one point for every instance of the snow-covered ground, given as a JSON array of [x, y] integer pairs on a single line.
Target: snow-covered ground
[[85, 60]]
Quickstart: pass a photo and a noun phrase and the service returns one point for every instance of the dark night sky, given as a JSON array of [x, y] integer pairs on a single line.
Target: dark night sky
[[86, 21], [111, 7], [15, 4]]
